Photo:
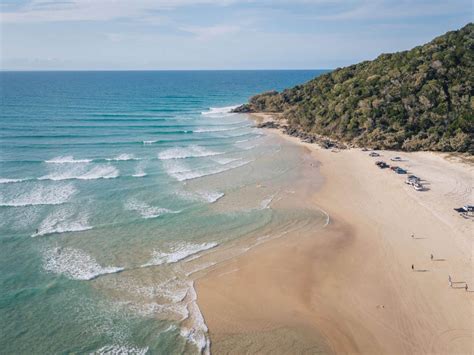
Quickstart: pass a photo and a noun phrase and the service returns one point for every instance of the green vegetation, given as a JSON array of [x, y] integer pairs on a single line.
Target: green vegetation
[[419, 99]]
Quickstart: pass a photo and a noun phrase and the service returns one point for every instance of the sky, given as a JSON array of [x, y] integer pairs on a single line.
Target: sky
[[216, 34]]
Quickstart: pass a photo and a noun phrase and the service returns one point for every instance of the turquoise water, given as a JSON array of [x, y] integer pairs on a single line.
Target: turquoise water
[[114, 186]]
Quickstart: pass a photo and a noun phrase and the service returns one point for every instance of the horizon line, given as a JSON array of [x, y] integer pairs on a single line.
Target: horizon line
[[154, 70]]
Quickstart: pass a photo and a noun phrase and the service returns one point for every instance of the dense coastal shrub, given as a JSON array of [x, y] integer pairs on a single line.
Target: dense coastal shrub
[[419, 99]]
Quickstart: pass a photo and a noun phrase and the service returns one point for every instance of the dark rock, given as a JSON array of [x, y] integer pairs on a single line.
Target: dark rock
[[269, 124], [243, 109]]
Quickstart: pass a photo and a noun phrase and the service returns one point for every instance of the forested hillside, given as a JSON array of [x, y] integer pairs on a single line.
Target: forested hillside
[[419, 99]]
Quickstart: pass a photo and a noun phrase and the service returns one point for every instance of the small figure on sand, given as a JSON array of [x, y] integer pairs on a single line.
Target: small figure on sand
[[450, 282], [466, 288], [413, 267], [413, 235], [431, 256]]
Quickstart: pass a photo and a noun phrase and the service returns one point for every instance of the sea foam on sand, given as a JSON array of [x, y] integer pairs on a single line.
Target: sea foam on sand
[[177, 252]]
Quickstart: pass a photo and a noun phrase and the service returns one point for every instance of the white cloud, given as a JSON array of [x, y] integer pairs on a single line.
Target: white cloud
[[150, 10], [210, 32], [387, 9], [97, 10]]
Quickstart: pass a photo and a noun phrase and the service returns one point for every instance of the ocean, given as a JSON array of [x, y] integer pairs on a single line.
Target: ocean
[[117, 190]]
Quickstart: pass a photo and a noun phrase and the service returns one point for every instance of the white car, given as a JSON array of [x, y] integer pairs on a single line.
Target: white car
[[412, 180], [396, 159], [418, 187]]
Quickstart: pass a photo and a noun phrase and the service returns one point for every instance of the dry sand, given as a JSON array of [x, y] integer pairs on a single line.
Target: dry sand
[[349, 288]]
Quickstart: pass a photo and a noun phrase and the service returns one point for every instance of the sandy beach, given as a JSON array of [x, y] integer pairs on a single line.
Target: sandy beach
[[349, 287]]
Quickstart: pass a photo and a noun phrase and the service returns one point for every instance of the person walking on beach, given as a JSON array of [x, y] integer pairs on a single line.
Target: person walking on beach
[[413, 235], [431, 256], [413, 267], [465, 287], [450, 282]]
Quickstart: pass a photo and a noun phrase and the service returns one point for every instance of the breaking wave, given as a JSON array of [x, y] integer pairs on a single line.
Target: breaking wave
[[69, 159], [63, 221], [219, 111], [122, 157], [217, 129], [140, 170], [10, 181], [75, 264], [182, 172], [39, 195], [145, 210], [120, 350], [83, 172], [192, 151]]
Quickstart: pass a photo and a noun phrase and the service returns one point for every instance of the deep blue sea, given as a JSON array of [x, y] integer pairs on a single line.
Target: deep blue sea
[[115, 190]]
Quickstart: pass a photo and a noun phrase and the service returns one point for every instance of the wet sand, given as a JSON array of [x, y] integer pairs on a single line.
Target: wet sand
[[349, 287]]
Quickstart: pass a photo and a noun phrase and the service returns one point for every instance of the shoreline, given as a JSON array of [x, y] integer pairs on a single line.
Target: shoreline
[[349, 288]]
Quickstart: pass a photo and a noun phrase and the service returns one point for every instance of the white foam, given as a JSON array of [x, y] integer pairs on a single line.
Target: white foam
[[149, 142], [120, 350], [21, 219], [249, 147], [182, 172], [83, 173], [145, 210], [177, 252], [179, 170], [75, 264], [177, 310], [170, 328], [174, 290], [39, 195], [266, 202], [219, 111], [139, 174], [224, 161], [10, 181], [140, 170], [122, 157], [196, 331], [207, 196], [216, 129], [63, 221], [210, 196], [192, 151], [201, 267], [69, 159]]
